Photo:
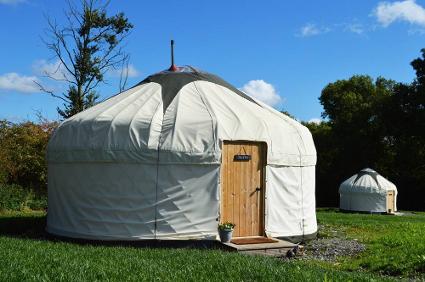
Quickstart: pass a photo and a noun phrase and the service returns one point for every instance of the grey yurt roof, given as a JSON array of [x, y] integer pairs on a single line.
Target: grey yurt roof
[[367, 181], [173, 81]]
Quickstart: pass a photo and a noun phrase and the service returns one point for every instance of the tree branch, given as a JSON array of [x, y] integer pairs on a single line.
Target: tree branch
[[50, 92]]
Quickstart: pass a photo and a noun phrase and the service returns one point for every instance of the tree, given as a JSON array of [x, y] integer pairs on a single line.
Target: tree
[[22, 153], [354, 136], [353, 107], [87, 46], [327, 175], [404, 115], [418, 65], [376, 123], [286, 113]]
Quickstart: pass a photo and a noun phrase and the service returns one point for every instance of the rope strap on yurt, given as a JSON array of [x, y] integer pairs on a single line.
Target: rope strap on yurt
[[302, 201]]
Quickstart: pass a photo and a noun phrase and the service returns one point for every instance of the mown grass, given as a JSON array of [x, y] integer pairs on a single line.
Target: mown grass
[[27, 255], [395, 244]]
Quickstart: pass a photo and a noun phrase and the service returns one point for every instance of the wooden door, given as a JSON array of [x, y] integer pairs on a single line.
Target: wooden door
[[390, 202], [242, 187]]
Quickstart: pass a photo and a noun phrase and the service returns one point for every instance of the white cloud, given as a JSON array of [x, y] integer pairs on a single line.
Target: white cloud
[[263, 91], [55, 70], [408, 10], [130, 70], [15, 82], [11, 2], [416, 31], [354, 28], [315, 120], [311, 29]]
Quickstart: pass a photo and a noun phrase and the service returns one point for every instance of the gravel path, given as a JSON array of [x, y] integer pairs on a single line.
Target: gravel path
[[328, 249]]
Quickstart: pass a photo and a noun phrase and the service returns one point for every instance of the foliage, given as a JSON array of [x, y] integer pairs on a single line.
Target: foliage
[[226, 226], [286, 113], [327, 152], [26, 259], [14, 197], [22, 153], [394, 244], [373, 123], [351, 106], [87, 47]]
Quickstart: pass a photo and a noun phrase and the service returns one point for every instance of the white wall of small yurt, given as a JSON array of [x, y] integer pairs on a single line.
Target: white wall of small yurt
[[366, 191]]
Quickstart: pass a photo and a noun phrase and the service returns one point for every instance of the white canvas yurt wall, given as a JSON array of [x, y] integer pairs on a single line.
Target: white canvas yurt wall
[[145, 164], [366, 191]]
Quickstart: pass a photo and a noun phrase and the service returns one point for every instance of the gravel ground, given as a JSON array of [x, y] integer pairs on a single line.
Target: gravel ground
[[329, 249]]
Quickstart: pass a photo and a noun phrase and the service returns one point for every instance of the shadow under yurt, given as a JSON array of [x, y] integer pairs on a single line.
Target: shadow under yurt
[[368, 191]]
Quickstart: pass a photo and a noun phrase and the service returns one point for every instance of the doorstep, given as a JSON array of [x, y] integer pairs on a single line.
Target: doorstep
[[279, 248]]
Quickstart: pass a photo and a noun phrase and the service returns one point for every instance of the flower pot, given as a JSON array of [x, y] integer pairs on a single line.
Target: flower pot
[[225, 235]]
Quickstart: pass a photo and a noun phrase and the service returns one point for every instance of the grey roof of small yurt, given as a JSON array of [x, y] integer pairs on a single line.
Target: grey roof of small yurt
[[367, 181]]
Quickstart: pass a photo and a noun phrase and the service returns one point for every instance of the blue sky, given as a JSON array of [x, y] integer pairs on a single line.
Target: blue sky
[[283, 52]]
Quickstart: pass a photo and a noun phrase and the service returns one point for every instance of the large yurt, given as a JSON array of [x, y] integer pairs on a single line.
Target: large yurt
[[368, 191], [174, 156]]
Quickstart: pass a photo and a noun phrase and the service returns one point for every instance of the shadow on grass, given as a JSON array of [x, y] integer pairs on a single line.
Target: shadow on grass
[[33, 227], [23, 226]]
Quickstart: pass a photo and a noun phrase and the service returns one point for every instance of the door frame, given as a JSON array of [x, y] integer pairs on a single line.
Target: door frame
[[390, 194], [264, 151]]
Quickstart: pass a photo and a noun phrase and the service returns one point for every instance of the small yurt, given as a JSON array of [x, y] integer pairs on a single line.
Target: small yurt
[[174, 156], [368, 191]]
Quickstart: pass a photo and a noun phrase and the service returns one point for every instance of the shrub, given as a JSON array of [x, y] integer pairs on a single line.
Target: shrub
[[22, 153], [17, 198]]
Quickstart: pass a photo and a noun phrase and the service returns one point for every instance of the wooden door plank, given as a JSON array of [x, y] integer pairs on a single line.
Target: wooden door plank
[[253, 193], [247, 190], [243, 174], [262, 167], [230, 182], [258, 183], [238, 176]]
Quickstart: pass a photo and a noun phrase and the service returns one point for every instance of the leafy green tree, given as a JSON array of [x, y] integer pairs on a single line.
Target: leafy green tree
[[287, 113], [373, 123], [404, 120], [87, 47], [353, 108], [22, 153]]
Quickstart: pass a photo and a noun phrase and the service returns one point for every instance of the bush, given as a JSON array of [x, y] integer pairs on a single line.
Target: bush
[[22, 153], [17, 198]]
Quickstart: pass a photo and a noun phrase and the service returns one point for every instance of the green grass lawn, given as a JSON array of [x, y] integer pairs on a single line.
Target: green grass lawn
[[26, 254], [395, 244]]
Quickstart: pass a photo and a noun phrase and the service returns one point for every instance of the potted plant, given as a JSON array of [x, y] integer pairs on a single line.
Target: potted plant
[[225, 230]]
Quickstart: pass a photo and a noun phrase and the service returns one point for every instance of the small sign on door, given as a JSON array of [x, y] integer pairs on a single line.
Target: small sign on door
[[242, 158]]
